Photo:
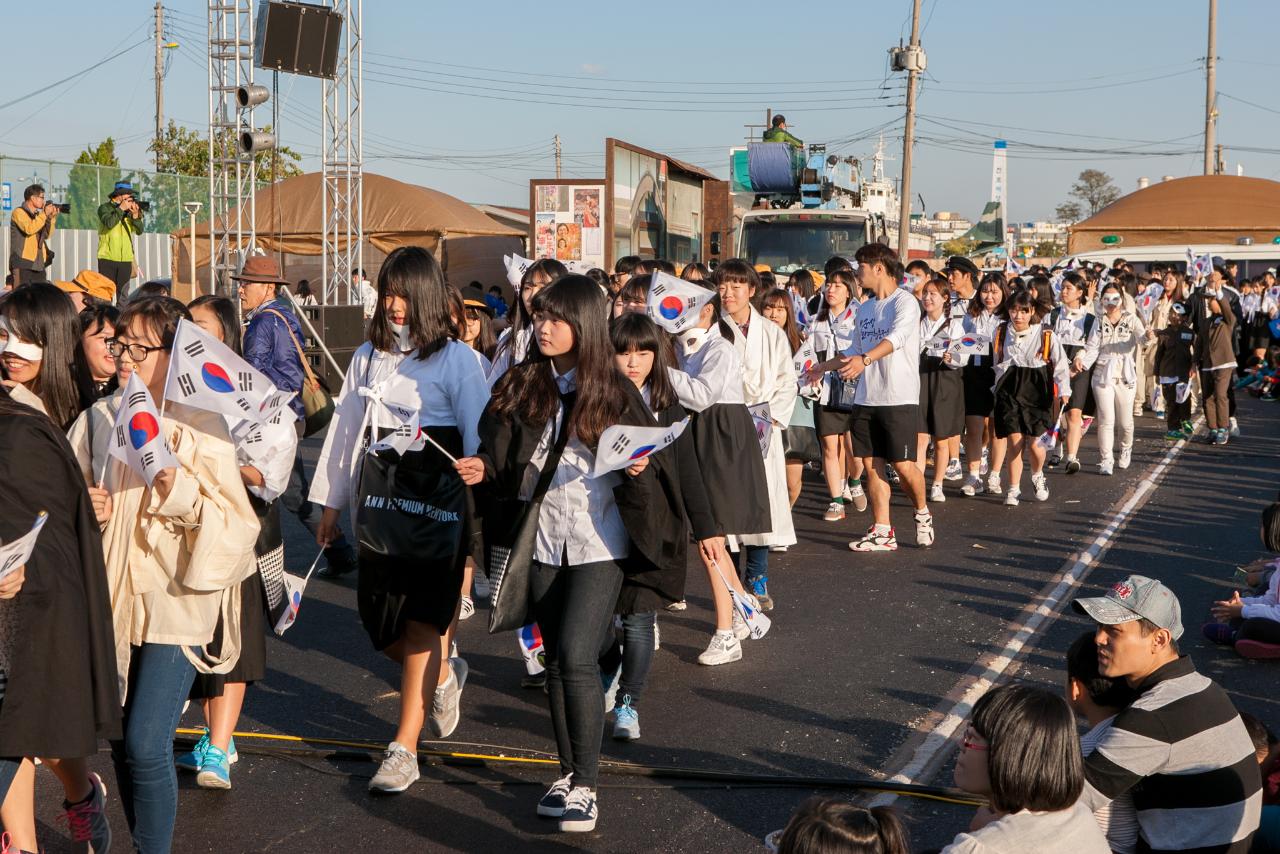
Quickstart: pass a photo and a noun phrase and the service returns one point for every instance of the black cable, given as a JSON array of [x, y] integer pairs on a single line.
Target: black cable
[[79, 73]]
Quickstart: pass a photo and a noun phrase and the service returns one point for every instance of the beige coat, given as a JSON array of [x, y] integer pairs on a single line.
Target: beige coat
[[173, 566]]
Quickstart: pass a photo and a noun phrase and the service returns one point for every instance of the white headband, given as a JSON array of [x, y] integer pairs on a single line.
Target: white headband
[[15, 345]]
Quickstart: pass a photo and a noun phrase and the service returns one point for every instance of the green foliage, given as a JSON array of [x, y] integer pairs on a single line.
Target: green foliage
[[96, 171]]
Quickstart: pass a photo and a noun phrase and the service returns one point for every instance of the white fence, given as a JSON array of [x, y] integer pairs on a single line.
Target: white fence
[[77, 249]]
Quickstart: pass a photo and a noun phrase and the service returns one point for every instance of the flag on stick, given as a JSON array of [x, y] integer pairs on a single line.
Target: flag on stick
[[757, 623], [535, 657], [675, 304], [763, 421], [286, 613], [207, 374], [623, 444], [516, 267], [969, 345], [136, 439], [18, 552]]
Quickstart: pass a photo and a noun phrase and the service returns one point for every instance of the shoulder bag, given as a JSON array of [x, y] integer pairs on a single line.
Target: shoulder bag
[[317, 402]]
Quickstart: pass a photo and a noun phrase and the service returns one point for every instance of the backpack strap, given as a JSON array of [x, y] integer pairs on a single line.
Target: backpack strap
[[1046, 345], [997, 344]]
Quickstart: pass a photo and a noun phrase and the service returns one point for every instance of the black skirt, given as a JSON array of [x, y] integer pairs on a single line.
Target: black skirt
[[733, 468], [979, 400], [941, 398], [252, 666], [831, 422], [1023, 402]]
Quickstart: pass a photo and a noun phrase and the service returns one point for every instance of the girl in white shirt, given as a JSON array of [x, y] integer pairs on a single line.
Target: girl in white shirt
[[832, 332], [514, 343], [1114, 354], [1030, 365], [1074, 325], [985, 313], [413, 363], [941, 387]]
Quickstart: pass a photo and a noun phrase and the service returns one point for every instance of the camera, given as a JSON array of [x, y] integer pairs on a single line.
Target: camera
[[143, 206], [65, 208]]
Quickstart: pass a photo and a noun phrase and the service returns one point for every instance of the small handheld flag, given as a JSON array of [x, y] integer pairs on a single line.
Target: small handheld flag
[[516, 267], [286, 614], [757, 623], [531, 648], [806, 358], [136, 440], [1049, 439], [1085, 424], [1181, 392], [969, 345], [623, 445], [763, 422], [18, 552], [674, 304], [207, 374], [1013, 267]]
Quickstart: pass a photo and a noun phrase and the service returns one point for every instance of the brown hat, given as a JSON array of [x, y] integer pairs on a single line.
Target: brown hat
[[90, 282], [261, 268]]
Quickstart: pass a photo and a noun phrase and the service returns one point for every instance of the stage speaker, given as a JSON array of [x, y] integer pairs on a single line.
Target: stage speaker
[[300, 38]]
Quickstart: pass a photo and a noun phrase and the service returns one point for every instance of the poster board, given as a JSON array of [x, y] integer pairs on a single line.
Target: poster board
[[568, 220]]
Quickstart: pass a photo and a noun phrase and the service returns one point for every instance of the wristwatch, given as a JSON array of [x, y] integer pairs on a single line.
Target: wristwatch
[[866, 361]]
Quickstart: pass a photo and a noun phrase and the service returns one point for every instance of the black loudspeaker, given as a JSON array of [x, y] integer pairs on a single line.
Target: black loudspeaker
[[300, 38], [341, 326], [321, 368]]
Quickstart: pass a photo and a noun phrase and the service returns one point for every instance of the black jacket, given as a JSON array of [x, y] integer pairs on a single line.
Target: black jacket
[[62, 695], [652, 506]]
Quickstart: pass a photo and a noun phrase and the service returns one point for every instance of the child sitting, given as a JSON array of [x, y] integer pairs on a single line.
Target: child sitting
[[830, 826], [1252, 623]]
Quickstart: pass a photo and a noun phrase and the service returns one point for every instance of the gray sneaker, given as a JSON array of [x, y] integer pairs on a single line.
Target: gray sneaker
[[446, 705], [87, 820], [398, 771]]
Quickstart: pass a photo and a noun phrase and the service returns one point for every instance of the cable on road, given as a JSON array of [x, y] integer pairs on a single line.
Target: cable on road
[[332, 749]]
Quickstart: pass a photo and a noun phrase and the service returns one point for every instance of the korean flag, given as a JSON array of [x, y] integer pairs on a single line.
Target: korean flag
[[675, 304]]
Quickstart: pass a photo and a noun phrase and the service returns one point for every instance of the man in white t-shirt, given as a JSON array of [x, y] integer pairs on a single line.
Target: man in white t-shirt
[[885, 356]]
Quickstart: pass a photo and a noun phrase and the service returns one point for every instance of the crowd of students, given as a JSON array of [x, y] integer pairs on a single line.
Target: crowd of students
[[164, 586]]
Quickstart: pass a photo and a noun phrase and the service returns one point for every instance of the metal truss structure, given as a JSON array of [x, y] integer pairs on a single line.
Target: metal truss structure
[[342, 164], [232, 174]]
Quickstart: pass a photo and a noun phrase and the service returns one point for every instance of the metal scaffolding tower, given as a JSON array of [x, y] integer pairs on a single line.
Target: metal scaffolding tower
[[232, 178], [342, 164]]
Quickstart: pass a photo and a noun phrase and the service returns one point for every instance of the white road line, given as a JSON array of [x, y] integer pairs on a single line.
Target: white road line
[[935, 744]]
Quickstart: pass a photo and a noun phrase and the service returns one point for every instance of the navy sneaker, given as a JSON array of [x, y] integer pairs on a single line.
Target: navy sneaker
[[551, 805], [579, 811]]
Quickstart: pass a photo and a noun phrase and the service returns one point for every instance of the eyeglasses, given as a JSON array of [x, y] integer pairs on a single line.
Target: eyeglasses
[[973, 741], [138, 353]]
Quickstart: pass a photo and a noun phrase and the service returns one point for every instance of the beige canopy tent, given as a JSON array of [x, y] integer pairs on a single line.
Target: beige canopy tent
[[395, 214], [1197, 210]]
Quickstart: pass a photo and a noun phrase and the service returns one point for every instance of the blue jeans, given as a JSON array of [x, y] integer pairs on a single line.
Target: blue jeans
[[160, 678], [574, 609], [757, 563], [637, 655]]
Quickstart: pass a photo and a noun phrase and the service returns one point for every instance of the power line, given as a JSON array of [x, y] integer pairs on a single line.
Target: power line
[[1222, 94], [71, 77]]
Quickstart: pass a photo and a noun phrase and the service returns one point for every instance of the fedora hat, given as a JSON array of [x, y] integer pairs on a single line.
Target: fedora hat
[[261, 268]]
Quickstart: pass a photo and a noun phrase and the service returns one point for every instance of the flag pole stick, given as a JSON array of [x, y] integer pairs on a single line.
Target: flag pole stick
[[314, 564], [448, 455]]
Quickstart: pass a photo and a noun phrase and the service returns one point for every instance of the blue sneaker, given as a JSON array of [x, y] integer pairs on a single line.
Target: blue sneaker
[[193, 759], [215, 770], [760, 588], [626, 721]]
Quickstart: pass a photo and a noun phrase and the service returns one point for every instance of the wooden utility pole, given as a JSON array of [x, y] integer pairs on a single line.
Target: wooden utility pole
[[1210, 81], [915, 60], [159, 71], [557, 142]]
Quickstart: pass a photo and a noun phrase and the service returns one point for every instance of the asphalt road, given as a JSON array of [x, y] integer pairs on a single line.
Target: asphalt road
[[863, 648]]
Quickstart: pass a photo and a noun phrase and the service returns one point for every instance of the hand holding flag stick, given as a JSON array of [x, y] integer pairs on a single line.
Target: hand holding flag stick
[[757, 623]]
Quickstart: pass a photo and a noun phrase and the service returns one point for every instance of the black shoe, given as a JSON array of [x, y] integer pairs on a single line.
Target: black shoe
[[337, 568]]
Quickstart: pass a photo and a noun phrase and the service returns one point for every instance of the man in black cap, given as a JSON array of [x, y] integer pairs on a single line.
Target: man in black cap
[[779, 133], [962, 275]]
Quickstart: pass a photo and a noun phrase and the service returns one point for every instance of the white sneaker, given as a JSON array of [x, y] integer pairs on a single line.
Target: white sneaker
[[1126, 457], [953, 472], [678, 606], [986, 462], [972, 486], [467, 610], [1041, 485], [723, 649], [936, 494], [924, 529], [993, 484], [835, 512], [1105, 467], [1234, 428], [1011, 497], [739, 626]]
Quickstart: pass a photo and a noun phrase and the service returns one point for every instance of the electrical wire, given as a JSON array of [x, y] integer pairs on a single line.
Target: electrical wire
[[69, 78]]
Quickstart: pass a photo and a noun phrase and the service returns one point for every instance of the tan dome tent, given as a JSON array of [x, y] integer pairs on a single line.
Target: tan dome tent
[[1204, 209], [395, 214]]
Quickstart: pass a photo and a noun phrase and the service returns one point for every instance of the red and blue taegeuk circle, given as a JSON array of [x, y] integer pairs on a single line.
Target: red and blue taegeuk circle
[[215, 377], [642, 451], [671, 307], [142, 429]]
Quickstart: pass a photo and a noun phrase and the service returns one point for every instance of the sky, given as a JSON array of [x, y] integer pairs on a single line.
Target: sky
[[467, 97]]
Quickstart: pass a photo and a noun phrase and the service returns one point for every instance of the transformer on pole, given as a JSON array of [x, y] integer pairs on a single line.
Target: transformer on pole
[[342, 163]]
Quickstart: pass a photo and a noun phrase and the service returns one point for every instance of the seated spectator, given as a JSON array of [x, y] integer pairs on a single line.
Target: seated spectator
[[831, 826], [1021, 752], [1098, 700], [1252, 623], [1180, 748]]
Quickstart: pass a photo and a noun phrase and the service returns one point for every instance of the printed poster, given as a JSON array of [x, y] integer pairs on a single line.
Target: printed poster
[[568, 241], [586, 207], [545, 244], [553, 197]]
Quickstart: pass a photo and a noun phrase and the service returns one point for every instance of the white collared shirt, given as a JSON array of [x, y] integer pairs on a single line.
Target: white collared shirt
[[579, 521]]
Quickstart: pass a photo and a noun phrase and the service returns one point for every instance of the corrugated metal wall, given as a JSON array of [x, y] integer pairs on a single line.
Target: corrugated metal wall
[[77, 249]]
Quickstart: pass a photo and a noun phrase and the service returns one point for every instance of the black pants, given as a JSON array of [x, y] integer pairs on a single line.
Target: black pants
[[119, 272], [635, 656], [573, 606], [1257, 629], [25, 276], [1175, 413], [294, 499]]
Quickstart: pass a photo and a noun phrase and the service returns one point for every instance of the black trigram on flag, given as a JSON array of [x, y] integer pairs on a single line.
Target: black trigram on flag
[[659, 289], [137, 399], [148, 459], [186, 384], [195, 348], [621, 444], [244, 404], [120, 436], [253, 437], [245, 380]]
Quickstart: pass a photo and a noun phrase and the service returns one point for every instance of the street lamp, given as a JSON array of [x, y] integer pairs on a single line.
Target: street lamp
[[192, 208]]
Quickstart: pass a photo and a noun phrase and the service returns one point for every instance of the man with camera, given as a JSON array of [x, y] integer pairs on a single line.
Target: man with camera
[[119, 219], [30, 227]]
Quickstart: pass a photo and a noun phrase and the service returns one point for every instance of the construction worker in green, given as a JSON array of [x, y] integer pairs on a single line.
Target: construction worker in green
[[779, 133], [119, 219]]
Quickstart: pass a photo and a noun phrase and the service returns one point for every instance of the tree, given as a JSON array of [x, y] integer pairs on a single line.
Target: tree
[[1093, 189], [96, 172], [1068, 212], [181, 151], [1048, 249], [958, 246]]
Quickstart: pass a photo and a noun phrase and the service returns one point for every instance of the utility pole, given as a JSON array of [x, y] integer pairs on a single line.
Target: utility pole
[[912, 61], [557, 155], [1210, 80], [159, 77]]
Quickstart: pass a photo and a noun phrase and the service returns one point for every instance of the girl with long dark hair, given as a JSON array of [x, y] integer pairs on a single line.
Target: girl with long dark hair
[[43, 361], [832, 332], [97, 324], [554, 406], [985, 313], [778, 307], [1075, 326], [412, 360], [222, 695], [514, 343], [941, 386]]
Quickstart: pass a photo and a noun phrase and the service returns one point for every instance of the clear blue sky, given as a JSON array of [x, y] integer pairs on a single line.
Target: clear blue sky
[[456, 87]]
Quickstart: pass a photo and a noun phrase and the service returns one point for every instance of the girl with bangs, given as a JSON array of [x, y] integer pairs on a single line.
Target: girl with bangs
[[709, 383], [832, 332], [941, 386], [984, 315], [801, 437], [41, 354], [633, 296], [642, 352], [551, 410], [412, 359], [514, 343]]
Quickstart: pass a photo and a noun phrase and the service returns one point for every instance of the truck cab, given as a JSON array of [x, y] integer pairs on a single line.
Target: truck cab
[[790, 238]]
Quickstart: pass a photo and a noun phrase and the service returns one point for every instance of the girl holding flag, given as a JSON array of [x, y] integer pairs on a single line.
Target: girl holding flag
[[832, 333], [412, 361], [983, 317], [553, 408], [178, 543], [941, 386], [222, 695], [1075, 326], [1030, 365], [1114, 352], [513, 344]]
